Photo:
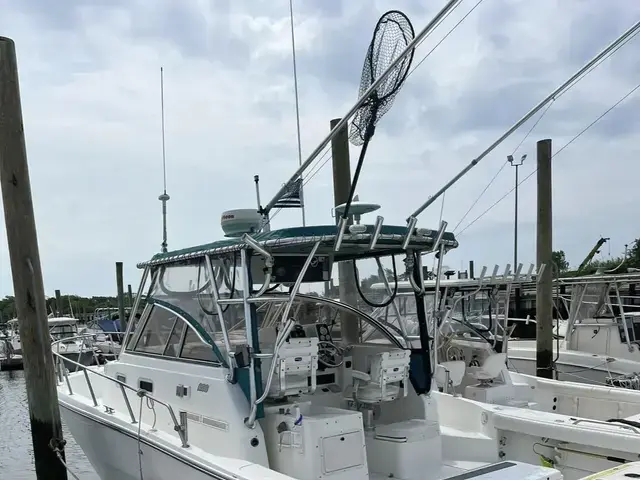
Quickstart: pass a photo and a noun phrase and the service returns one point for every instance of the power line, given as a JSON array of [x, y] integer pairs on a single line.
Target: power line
[[502, 167], [578, 135], [446, 35], [578, 80]]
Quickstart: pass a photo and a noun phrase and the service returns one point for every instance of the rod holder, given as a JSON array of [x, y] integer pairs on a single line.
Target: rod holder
[[507, 271], [482, 274], [342, 225], [184, 428], [411, 225], [443, 227], [251, 242], [530, 272], [516, 274], [376, 232], [495, 273]]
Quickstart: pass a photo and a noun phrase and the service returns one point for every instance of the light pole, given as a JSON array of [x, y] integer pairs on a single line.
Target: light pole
[[516, 163]]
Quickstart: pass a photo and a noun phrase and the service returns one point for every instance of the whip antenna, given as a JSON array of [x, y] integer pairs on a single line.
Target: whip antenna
[[295, 86], [391, 37], [164, 198]]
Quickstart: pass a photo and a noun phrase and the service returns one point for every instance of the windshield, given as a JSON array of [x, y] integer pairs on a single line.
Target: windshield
[[63, 331]]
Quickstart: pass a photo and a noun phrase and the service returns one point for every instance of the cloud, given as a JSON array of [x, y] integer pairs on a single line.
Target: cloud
[[89, 73]]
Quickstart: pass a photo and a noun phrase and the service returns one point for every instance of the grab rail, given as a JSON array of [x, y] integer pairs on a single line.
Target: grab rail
[[609, 424], [61, 360]]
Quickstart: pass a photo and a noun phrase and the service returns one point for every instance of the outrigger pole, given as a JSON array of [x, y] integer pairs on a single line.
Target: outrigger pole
[[451, 4], [558, 91]]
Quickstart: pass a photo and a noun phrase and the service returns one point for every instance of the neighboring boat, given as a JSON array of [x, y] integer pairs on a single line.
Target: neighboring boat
[[578, 429], [9, 360], [69, 344], [601, 345]]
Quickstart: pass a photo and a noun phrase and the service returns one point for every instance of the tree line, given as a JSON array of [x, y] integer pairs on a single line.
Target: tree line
[[619, 264], [82, 306], [69, 305]]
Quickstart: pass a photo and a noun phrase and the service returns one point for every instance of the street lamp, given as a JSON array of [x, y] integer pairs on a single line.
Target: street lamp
[[516, 163]]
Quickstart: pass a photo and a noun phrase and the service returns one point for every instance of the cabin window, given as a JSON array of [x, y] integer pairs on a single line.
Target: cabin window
[[186, 287], [156, 332], [173, 344], [195, 349]]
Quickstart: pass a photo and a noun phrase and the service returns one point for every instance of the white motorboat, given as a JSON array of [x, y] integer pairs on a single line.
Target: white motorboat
[[273, 387], [65, 341], [601, 345], [579, 429]]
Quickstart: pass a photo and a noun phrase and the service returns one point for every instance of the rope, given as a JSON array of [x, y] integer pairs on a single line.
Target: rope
[[57, 446], [554, 155]]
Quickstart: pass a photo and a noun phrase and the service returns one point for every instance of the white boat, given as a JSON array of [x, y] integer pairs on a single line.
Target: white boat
[[601, 343], [65, 341], [579, 429], [276, 390], [590, 347]]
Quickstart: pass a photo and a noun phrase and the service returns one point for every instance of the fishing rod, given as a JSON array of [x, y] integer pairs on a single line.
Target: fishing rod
[[365, 97], [622, 38]]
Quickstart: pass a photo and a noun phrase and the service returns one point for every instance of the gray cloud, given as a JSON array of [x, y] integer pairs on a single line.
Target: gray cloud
[[90, 99]]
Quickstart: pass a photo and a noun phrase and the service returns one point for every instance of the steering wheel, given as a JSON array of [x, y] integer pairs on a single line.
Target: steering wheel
[[329, 354]]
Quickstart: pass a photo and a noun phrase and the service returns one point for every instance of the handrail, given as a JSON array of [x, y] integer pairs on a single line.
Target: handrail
[[614, 424], [180, 429]]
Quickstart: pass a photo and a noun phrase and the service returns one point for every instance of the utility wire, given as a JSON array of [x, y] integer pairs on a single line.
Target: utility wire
[[578, 135], [502, 167], [446, 35], [569, 87]]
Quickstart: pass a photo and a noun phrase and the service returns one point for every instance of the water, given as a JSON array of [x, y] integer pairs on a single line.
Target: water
[[16, 461]]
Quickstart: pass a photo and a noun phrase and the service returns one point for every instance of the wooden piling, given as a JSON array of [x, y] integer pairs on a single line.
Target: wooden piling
[[59, 305], [31, 306], [544, 248], [341, 188], [130, 294], [120, 286]]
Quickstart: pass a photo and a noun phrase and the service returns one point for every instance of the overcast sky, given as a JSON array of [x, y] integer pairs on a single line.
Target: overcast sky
[[89, 73]]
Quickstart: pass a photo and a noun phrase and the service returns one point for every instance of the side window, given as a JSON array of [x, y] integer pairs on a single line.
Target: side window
[[173, 345], [195, 349], [156, 332]]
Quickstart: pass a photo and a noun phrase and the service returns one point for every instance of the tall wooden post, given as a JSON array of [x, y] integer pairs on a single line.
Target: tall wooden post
[[544, 245], [120, 286], [130, 293], [28, 287], [341, 187], [59, 305]]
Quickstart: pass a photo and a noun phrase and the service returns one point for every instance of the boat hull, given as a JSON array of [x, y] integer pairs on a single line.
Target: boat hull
[[113, 452], [11, 363], [576, 366]]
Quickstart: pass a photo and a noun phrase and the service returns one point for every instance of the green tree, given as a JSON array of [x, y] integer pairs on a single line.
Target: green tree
[[633, 259], [560, 260]]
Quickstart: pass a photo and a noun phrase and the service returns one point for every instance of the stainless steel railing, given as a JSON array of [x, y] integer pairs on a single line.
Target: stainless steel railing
[[62, 374]]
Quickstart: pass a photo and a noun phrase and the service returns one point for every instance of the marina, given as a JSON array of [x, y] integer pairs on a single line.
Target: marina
[[334, 344]]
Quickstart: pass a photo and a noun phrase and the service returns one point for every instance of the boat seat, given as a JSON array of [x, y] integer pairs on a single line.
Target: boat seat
[[490, 369], [450, 374], [297, 364], [387, 371]]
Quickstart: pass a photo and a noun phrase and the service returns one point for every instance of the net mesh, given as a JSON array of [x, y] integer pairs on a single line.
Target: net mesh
[[392, 35]]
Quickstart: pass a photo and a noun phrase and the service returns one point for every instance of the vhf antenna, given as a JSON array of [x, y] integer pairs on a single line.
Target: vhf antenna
[[295, 86], [164, 198]]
